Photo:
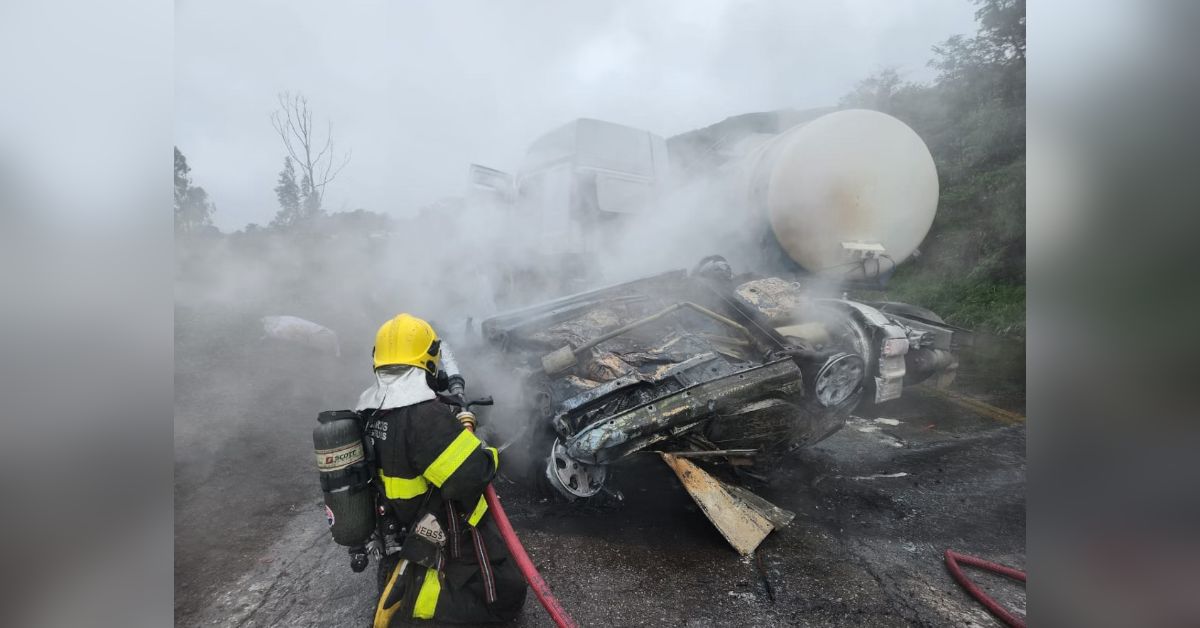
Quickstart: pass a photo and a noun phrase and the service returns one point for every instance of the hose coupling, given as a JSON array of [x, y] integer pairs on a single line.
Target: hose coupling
[[467, 418]]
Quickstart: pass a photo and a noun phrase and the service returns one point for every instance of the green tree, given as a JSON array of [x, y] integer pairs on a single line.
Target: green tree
[[359, 221], [183, 180], [875, 92], [310, 196], [288, 193], [193, 209]]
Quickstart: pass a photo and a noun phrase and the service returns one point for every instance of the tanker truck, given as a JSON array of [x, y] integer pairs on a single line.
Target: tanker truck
[[848, 195], [734, 364]]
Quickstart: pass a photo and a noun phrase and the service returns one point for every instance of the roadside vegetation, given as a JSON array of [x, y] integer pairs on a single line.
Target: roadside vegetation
[[972, 264]]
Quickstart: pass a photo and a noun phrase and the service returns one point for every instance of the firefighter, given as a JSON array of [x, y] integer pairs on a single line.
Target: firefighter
[[452, 565]]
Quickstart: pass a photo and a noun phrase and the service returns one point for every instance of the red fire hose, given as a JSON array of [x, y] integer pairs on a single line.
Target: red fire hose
[[539, 586], [952, 560]]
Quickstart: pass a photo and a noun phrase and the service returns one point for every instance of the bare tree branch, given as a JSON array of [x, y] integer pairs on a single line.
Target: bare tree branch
[[281, 127], [345, 161], [293, 122]]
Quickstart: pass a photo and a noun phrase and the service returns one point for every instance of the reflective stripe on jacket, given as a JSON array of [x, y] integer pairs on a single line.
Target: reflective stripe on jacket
[[422, 446]]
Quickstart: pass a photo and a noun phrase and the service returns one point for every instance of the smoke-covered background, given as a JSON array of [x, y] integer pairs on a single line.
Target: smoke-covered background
[[88, 116]]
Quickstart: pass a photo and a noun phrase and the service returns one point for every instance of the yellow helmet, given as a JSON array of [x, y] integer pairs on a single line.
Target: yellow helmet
[[409, 340]]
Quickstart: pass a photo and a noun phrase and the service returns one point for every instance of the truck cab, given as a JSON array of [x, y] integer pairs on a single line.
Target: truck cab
[[574, 183]]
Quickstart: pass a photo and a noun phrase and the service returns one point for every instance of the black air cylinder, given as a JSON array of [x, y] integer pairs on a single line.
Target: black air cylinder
[[344, 477]]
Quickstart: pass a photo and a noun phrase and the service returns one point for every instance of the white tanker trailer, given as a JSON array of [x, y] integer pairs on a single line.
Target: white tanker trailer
[[852, 193]]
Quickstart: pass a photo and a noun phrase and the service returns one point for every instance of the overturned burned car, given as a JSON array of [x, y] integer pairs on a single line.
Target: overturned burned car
[[706, 364]]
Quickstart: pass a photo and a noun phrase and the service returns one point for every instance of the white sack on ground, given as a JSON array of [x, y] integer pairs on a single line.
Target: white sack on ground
[[298, 330]]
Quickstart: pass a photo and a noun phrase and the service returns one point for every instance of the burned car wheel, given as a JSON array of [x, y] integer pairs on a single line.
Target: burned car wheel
[[838, 378], [573, 479]]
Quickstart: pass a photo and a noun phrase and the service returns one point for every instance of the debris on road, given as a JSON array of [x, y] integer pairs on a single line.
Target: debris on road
[[880, 476], [743, 522]]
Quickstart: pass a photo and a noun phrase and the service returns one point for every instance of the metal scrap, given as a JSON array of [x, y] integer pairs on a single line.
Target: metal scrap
[[606, 367]]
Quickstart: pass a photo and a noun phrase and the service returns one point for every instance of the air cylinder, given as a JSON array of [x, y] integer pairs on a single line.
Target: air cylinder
[[345, 477]]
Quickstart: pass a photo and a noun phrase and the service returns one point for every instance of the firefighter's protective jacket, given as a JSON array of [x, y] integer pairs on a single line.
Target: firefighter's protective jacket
[[428, 463]]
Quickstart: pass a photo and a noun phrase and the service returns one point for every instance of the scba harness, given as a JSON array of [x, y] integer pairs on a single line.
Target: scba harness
[[428, 470]]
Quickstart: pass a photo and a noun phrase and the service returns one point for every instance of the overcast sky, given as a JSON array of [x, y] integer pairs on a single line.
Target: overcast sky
[[420, 90]]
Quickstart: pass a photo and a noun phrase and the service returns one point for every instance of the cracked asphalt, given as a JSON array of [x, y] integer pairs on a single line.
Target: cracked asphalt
[[877, 504]]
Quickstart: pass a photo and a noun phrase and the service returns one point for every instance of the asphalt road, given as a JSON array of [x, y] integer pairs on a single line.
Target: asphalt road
[[877, 505]]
